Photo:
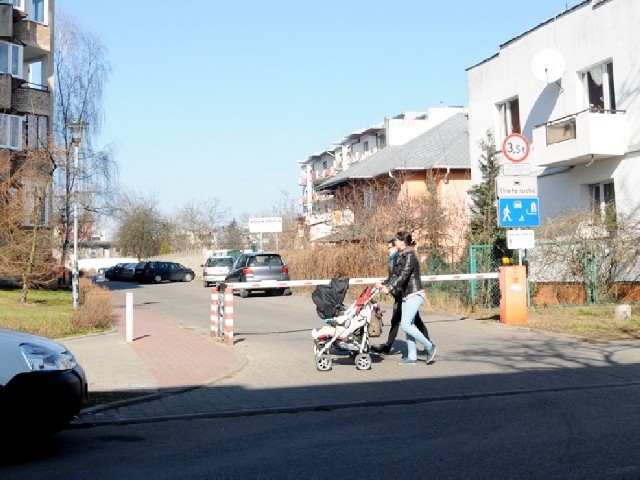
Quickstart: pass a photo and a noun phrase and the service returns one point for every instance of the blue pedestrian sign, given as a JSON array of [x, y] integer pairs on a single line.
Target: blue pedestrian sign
[[518, 212]]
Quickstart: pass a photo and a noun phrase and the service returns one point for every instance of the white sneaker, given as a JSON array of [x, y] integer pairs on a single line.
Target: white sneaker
[[431, 353]]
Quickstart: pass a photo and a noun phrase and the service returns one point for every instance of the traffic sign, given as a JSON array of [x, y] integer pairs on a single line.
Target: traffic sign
[[518, 212], [515, 148], [520, 239], [522, 186], [516, 169]]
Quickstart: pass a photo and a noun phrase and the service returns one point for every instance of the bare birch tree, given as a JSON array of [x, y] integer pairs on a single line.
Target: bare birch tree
[[81, 69]]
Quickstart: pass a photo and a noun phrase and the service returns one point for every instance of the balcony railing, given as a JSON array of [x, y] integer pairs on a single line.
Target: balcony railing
[[580, 138]]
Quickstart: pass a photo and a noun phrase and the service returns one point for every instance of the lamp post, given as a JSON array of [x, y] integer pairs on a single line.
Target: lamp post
[[77, 129]]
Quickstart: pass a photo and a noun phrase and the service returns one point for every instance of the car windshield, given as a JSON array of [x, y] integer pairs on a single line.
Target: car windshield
[[220, 262]]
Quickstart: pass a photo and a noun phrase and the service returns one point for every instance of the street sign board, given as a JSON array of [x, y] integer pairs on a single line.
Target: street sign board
[[265, 225], [522, 186], [520, 239], [515, 148], [518, 212], [516, 168]]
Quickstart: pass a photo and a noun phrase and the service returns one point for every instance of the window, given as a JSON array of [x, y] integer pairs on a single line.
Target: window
[[36, 131], [509, 117], [11, 131], [11, 59], [603, 202], [598, 87], [365, 146], [36, 204]]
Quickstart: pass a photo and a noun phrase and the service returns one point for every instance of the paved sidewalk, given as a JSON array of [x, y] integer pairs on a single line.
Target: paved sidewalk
[[162, 358], [275, 371]]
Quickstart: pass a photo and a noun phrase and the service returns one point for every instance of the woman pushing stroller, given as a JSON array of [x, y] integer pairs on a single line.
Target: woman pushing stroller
[[405, 282]]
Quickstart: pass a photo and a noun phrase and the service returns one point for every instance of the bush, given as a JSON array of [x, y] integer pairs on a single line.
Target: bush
[[95, 311]]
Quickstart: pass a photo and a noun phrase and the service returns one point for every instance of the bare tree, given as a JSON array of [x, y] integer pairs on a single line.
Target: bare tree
[[197, 222], [25, 184], [142, 231], [81, 69]]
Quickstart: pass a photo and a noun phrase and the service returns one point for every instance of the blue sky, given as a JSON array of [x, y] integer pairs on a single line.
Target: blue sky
[[221, 99]]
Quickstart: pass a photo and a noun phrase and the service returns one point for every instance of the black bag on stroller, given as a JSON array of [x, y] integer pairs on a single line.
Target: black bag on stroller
[[328, 298]]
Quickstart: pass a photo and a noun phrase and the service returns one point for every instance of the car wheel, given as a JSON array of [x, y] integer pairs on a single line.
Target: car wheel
[[205, 284], [188, 277], [157, 278], [287, 291], [244, 293]]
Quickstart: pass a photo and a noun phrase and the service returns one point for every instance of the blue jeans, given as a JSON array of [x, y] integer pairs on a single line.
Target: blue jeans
[[410, 307]]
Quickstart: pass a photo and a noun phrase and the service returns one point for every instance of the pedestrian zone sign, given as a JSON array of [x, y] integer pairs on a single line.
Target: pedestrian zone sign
[[518, 212]]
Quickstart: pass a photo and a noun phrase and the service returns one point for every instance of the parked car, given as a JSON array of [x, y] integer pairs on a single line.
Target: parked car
[[128, 272], [99, 276], [42, 386], [215, 269], [113, 273], [258, 267], [157, 271]]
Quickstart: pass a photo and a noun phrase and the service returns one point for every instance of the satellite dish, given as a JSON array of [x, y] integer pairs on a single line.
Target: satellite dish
[[548, 65]]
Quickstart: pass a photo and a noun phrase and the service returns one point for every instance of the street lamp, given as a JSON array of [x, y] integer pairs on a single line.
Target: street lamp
[[77, 129]]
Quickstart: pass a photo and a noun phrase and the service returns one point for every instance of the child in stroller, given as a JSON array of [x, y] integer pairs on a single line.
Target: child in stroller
[[346, 329]]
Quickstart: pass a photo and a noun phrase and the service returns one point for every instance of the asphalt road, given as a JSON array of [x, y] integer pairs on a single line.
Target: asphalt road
[[564, 435], [512, 429]]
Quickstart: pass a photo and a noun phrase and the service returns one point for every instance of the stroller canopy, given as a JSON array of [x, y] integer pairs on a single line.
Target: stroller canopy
[[328, 298]]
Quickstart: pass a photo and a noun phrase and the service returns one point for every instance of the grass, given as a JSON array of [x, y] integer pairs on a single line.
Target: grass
[[49, 313], [588, 323]]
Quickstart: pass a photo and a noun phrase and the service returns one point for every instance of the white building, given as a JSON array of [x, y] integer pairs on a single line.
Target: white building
[[571, 86]]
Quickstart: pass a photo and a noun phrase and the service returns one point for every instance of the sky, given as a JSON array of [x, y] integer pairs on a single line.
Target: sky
[[212, 99]]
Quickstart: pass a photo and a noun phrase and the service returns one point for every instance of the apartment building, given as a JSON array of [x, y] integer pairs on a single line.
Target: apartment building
[[570, 86], [356, 149], [26, 83]]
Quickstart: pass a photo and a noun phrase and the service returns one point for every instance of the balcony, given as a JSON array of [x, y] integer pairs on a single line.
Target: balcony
[[580, 138], [36, 38], [30, 98]]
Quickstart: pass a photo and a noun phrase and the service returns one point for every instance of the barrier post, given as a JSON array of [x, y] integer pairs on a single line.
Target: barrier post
[[513, 294], [228, 316], [128, 317], [215, 318]]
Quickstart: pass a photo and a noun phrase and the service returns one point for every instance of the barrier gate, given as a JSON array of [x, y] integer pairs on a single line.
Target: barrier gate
[[222, 298]]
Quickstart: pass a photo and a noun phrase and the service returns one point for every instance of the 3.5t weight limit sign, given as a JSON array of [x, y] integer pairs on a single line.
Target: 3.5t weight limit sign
[[515, 148]]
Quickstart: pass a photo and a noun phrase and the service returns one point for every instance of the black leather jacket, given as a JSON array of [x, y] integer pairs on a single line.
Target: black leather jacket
[[405, 279]]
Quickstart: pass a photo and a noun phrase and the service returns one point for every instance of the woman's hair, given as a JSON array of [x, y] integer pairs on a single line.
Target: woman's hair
[[406, 238]]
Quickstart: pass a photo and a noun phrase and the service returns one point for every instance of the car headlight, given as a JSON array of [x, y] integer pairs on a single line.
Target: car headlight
[[41, 358]]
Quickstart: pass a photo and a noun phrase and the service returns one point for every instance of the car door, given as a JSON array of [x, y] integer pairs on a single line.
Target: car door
[[236, 270]]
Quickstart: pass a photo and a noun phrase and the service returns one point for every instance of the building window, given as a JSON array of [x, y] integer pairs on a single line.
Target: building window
[[36, 131], [36, 10], [509, 117], [11, 131], [365, 146], [11, 59], [603, 202], [598, 87]]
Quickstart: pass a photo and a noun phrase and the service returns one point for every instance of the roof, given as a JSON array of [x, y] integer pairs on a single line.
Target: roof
[[444, 146]]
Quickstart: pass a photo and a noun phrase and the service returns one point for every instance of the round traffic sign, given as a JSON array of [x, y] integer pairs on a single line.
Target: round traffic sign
[[515, 148]]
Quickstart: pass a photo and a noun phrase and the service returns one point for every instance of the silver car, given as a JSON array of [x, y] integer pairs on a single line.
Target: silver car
[[42, 386], [260, 267], [215, 269]]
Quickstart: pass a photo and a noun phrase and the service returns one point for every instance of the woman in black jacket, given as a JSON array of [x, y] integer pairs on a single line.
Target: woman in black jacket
[[405, 282], [397, 307]]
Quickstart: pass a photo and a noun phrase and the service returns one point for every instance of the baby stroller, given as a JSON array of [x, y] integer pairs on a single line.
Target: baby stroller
[[346, 329]]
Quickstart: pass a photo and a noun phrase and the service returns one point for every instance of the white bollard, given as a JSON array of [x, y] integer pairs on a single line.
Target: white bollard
[[128, 318]]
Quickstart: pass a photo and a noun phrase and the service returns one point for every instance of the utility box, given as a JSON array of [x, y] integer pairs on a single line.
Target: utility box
[[513, 294]]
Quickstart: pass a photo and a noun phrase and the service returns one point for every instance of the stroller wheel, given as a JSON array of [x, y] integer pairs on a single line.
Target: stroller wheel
[[363, 361], [323, 363]]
